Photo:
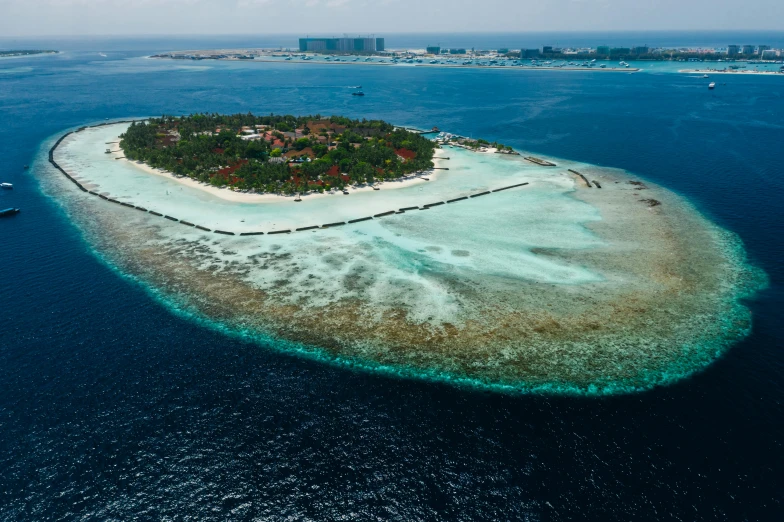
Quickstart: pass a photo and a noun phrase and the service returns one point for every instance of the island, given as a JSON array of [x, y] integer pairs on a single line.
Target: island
[[24, 52], [277, 154], [516, 273]]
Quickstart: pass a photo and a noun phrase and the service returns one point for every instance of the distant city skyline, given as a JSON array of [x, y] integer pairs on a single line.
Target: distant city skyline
[[335, 17]]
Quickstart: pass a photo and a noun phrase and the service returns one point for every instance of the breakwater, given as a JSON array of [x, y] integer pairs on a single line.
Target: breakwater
[[539, 161], [587, 183], [254, 233]]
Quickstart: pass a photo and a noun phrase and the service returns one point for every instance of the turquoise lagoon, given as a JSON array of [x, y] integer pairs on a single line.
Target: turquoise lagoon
[[550, 286]]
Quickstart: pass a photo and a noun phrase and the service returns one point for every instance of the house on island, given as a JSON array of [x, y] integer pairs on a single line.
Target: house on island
[[305, 154], [405, 154], [334, 172]]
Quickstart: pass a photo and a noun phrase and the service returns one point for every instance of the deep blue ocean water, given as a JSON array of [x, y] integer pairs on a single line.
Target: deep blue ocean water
[[112, 407]]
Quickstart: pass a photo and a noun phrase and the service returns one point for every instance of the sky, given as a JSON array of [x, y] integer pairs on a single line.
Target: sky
[[335, 17]]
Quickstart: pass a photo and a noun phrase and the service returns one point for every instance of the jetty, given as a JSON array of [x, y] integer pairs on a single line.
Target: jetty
[[539, 161]]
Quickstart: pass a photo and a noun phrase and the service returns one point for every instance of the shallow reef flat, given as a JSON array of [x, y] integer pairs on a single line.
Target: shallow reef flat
[[552, 286]]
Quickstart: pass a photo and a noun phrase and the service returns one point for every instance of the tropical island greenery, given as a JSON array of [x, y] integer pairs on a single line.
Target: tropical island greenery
[[277, 154]]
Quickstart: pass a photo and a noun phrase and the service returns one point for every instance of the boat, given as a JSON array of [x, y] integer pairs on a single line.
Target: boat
[[108, 151], [9, 212], [704, 75], [376, 188], [711, 85], [358, 93], [6, 185], [345, 192]]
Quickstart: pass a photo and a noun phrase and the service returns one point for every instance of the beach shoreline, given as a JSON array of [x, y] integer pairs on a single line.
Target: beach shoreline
[[235, 196], [719, 71]]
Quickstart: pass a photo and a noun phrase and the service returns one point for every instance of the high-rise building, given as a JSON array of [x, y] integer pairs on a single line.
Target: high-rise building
[[344, 45], [547, 49], [762, 48], [748, 50], [732, 50], [434, 50], [640, 49], [603, 50]]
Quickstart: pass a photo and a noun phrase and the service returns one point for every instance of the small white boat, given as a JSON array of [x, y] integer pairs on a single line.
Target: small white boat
[[704, 75], [6, 185], [711, 85]]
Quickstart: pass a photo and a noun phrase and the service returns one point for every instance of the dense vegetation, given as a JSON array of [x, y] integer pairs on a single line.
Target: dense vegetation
[[277, 153], [480, 143]]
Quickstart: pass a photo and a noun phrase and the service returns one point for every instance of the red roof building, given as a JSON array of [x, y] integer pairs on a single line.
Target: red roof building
[[406, 154]]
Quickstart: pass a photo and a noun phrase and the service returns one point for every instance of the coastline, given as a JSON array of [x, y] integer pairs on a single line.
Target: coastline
[[726, 71], [228, 194], [446, 66]]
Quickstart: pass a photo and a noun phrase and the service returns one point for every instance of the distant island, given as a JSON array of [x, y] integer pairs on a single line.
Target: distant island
[[278, 154], [24, 52], [361, 50]]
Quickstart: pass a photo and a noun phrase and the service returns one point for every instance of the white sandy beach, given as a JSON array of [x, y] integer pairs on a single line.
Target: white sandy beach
[[250, 197]]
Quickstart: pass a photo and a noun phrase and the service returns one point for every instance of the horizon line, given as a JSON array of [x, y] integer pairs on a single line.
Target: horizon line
[[576, 31]]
